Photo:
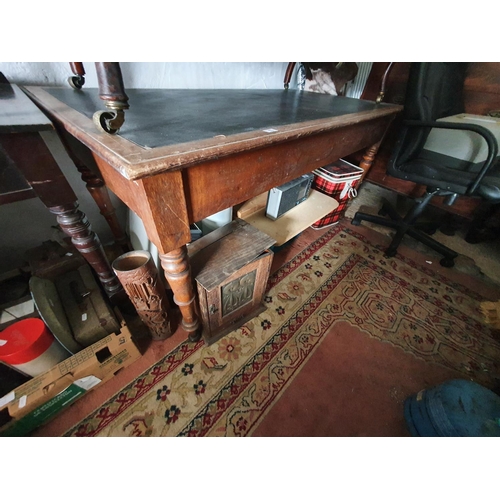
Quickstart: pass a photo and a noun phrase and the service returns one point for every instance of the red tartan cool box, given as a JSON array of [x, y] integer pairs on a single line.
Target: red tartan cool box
[[338, 180]]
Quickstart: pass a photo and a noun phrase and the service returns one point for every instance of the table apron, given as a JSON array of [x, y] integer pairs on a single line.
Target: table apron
[[170, 201], [218, 184]]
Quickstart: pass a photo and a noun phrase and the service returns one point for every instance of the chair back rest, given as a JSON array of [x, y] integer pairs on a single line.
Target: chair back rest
[[434, 90]]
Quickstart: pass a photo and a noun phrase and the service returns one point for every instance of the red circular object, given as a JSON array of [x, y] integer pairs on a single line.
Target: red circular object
[[24, 341]]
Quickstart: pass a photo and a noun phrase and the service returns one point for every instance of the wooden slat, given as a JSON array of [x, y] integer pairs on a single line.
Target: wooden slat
[[226, 255], [252, 206], [13, 196], [295, 220]]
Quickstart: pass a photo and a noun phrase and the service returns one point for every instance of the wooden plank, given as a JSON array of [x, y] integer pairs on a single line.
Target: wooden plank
[[208, 239], [251, 206], [13, 185], [13, 196], [224, 256], [295, 220], [31, 156]]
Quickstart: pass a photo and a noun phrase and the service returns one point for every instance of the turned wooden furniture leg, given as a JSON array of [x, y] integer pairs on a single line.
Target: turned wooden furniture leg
[[97, 189], [368, 158], [31, 155], [100, 194], [112, 92], [288, 74], [178, 273], [77, 81], [160, 203], [75, 224]]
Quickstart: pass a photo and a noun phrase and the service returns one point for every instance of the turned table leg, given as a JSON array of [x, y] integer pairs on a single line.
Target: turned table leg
[[75, 224], [112, 92], [97, 188], [31, 155], [160, 202], [98, 191], [368, 158], [178, 273]]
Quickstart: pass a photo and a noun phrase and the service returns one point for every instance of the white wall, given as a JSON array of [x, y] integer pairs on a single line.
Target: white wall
[[157, 75], [27, 224]]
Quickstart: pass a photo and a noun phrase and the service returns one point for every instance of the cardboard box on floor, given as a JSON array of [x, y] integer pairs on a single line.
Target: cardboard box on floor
[[38, 400]]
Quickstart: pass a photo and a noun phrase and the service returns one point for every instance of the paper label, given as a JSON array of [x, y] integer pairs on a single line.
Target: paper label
[[270, 130], [84, 317], [87, 382], [7, 398], [22, 401], [2, 342]]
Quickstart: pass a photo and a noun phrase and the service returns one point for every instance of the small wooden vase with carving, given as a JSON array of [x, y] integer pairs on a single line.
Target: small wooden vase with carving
[[139, 277]]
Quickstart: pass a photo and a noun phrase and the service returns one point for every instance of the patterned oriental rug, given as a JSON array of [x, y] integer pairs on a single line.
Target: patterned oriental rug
[[227, 389]]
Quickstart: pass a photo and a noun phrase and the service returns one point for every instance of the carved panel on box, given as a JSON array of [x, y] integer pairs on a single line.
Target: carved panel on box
[[237, 293]]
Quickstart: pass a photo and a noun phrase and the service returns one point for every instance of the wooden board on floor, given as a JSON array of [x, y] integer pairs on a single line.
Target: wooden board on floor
[[295, 220]]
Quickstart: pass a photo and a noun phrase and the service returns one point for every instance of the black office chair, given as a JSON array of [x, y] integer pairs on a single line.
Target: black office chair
[[435, 91]]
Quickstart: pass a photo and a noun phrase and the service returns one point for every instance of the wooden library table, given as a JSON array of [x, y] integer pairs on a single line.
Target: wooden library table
[[183, 155]]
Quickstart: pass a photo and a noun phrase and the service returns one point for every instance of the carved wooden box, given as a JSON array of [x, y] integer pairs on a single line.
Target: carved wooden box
[[231, 267]]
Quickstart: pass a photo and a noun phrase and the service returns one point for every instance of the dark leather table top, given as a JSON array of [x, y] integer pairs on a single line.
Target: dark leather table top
[[164, 117]]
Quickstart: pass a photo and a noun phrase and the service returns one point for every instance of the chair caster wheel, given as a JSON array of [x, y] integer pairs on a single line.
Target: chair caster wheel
[[355, 222], [108, 121], [390, 253], [76, 82], [445, 262], [382, 212]]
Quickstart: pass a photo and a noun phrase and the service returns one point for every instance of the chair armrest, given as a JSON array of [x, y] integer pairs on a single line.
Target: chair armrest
[[482, 131]]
